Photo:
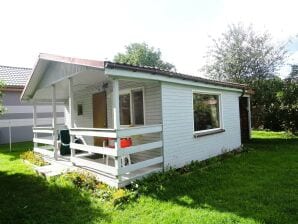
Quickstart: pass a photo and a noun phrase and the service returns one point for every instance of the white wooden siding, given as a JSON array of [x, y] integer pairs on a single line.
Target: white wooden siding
[[180, 146], [58, 71], [152, 107], [83, 97], [152, 95]]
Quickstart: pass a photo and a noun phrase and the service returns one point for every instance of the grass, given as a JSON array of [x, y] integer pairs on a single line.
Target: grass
[[257, 186]]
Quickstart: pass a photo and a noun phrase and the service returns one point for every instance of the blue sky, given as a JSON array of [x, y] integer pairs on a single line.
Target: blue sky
[[99, 29]]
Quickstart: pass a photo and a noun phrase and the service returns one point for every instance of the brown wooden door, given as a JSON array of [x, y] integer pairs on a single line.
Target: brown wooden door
[[244, 119], [99, 114]]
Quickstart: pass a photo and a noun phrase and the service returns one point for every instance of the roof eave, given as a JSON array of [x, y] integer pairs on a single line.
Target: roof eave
[[71, 60], [170, 74]]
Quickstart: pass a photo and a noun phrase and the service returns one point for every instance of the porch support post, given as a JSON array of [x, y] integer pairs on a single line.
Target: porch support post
[[54, 121], [116, 119], [34, 122], [71, 116]]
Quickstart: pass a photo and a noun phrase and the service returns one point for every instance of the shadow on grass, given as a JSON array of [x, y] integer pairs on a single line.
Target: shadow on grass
[[31, 199], [261, 185]]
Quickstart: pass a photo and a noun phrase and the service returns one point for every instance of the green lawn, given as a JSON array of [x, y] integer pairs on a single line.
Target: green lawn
[[258, 186]]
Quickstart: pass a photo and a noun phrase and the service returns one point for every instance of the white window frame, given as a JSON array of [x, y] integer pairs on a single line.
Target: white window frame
[[129, 91], [221, 123]]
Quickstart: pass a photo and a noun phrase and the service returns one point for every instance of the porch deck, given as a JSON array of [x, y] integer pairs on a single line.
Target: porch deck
[[105, 163]]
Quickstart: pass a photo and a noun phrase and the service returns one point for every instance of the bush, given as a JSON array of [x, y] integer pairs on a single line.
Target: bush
[[87, 181], [82, 180], [34, 158], [288, 99], [122, 196], [275, 105], [156, 182]]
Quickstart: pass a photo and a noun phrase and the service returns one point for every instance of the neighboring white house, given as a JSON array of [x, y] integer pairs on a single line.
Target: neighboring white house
[[171, 119], [16, 123]]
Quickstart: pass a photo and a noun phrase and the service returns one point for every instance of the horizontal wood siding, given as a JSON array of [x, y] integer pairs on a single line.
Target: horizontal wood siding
[[152, 94], [180, 146]]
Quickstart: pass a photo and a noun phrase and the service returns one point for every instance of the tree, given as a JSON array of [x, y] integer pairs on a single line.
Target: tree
[[293, 76], [1, 95], [141, 54], [288, 101], [245, 56], [242, 55]]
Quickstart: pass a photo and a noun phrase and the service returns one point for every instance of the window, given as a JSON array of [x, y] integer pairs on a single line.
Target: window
[[80, 109], [206, 111], [124, 102], [138, 107], [132, 107]]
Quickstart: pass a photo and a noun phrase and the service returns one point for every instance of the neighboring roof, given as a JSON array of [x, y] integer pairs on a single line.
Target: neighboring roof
[[14, 76], [166, 73]]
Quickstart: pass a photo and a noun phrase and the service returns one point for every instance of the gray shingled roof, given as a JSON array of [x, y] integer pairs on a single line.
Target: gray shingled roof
[[14, 76], [171, 74]]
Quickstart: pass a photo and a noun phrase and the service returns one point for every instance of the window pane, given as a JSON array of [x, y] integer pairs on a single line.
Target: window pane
[[80, 109], [138, 107], [206, 111], [124, 101]]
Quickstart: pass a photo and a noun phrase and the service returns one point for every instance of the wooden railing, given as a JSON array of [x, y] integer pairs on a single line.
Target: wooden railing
[[93, 132], [48, 143], [128, 132], [117, 153]]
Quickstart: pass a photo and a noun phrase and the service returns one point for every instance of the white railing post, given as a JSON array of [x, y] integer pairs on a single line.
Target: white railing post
[[117, 158], [116, 117], [54, 121], [71, 114], [34, 122], [116, 120]]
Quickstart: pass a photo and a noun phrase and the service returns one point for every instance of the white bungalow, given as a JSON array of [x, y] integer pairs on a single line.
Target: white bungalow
[[132, 121]]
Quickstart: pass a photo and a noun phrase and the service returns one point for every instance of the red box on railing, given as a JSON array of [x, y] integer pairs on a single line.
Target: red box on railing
[[124, 142]]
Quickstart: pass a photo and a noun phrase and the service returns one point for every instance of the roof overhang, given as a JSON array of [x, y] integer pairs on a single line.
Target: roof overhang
[[130, 71], [42, 64], [118, 70]]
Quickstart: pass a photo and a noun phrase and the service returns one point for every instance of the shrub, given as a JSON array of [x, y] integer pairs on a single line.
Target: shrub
[[103, 192], [34, 158], [87, 181], [122, 196], [155, 182], [82, 180]]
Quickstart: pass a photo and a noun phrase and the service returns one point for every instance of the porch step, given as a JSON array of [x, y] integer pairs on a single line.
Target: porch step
[[52, 170]]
